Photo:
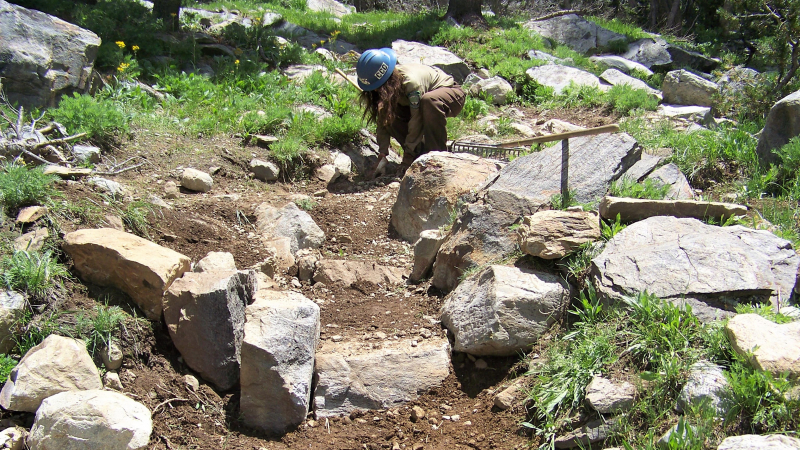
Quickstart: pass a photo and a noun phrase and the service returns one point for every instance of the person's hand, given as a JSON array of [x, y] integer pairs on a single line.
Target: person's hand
[[380, 166]]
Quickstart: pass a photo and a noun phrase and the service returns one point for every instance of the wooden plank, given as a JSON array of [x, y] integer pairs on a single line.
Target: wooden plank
[[561, 136]]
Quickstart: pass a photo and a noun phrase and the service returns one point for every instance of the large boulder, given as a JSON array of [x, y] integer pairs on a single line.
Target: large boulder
[[409, 52], [310, 39], [559, 77], [43, 57], [290, 222], [348, 273], [56, 365], [678, 186], [281, 335], [503, 310], [216, 261], [783, 123], [204, 313], [91, 420], [685, 260], [136, 266], [576, 33], [355, 376], [706, 385], [658, 54], [756, 442], [697, 114], [633, 209], [12, 307], [430, 189], [555, 234], [621, 64], [682, 87], [771, 347], [615, 77], [330, 6], [496, 87]]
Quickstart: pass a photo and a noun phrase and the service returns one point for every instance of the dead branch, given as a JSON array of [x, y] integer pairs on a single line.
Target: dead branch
[[117, 172], [559, 14], [61, 141], [165, 402]]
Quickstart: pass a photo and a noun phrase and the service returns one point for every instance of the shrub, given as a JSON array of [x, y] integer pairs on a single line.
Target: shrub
[[624, 99], [535, 92], [473, 108], [579, 95], [33, 272], [20, 186], [101, 120], [288, 149]]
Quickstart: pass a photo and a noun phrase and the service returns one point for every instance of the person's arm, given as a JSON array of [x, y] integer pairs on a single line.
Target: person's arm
[[414, 137], [383, 138]]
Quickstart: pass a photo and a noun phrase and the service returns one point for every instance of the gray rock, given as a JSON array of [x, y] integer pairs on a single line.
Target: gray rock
[[756, 442], [634, 209], [698, 114], [734, 81], [299, 72], [510, 396], [290, 222], [86, 153], [607, 397], [264, 170], [657, 54], [682, 87], [783, 123], [497, 88], [409, 52], [330, 6], [281, 334], [575, 32], [594, 431], [555, 234], [670, 175], [91, 420], [12, 307], [309, 39], [559, 77], [57, 364], [108, 187], [349, 272], [679, 434], [425, 250], [614, 77], [543, 56], [215, 261], [621, 64], [112, 381], [642, 168], [270, 18], [503, 310], [13, 438], [354, 376], [706, 384], [774, 348], [678, 259], [112, 356], [342, 164], [43, 57], [196, 180], [364, 156], [204, 313]]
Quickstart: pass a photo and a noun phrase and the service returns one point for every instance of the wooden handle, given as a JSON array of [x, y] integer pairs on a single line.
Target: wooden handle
[[339, 71], [561, 136]]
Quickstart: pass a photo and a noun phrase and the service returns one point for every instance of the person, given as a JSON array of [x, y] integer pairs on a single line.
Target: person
[[409, 102]]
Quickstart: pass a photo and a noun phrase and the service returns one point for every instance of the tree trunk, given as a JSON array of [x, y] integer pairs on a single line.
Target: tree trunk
[[169, 12], [675, 17], [466, 12]]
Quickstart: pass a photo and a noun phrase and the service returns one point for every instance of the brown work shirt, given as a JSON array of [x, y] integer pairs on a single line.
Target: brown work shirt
[[418, 79]]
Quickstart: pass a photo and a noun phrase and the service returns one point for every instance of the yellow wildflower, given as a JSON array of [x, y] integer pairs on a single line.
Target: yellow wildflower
[[322, 42], [173, 14], [313, 45], [120, 44], [122, 67], [236, 62], [135, 48]]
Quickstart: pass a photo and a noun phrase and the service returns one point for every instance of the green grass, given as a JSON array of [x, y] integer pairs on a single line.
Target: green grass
[[100, 327], [633, 32], [21, 186], [7, 364], [36, 273], [102, 120], [647, 189], [135, 216]]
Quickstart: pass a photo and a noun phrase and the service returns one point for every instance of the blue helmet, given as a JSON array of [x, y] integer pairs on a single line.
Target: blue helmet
[[374, 67]]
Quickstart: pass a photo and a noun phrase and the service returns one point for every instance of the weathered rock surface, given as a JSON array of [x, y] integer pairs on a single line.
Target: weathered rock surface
[[706, 384], [32, 240], [621, 64], [642, 168], [309, 39], [670, 175], [503, 310], [108, 187], [775, 348], [281, 335], [264, 170], [510, 396], [575, 32], [425, 250], [348, 272], [13, 438], [91, 419], [606, 396], [756, 442], [554, 234], [658, 54], [56, 365], [216, 261], [682, 87], [330, 6], [196, 180], [634, 209], [43, 57], [594, 431], [734, 81], [431, 187], [681, 259], [783, 123], [544, 56], [136, 266], [290, 222], [353, 376], [409, 52], [204, 313], [697, 114], [559, 77], [615, 77], [31, 214], [12, 307], [496, 87]]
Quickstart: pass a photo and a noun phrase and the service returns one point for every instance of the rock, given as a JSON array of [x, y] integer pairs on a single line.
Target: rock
[[735, 80], [554, 234], [417, 413], [594, 431], [775, 348], [307, 262], [138, 267], [196, 180], [281, 335], [31, 214], [192, 383], [216, 261], [679, 434], [543, 56], [364, 156], [12, 308], [348, 273], [687, 260], [279, 257], [555, 126], [354, 377], [756, 442], [317, 112], [497, 88], [330, 6], [608, 397], [503, 310], [642, 168], [67, 173], [205, 314], [670, 175], [657, 54], [13, 438], [86, 153], [682, 87], [43, 57], [309, 39], [264, 170], [576, 33], [171, 190], [559, 77], [510, 396], [342, 164], [634, 209], [326, 173], [409, 52], [614, 77], [112, 356], [56, 365], [698, 114], [91, 419], [430, 189], [114, 222], [32, 240], [290, 222], [621, 64], [706, 384], [425, 250], [111, 381], [783, 123], [107, 187]]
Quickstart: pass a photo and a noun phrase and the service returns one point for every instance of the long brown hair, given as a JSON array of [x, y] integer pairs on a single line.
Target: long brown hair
[[380, 105]]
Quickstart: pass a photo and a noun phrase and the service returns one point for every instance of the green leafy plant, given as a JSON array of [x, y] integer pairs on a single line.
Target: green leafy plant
[[306, 204], [7, 364], [473, 108], [101, 120], [647, 189], [21, 186], [624, 99], [765, 311], [34, 272], [100, 327]]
